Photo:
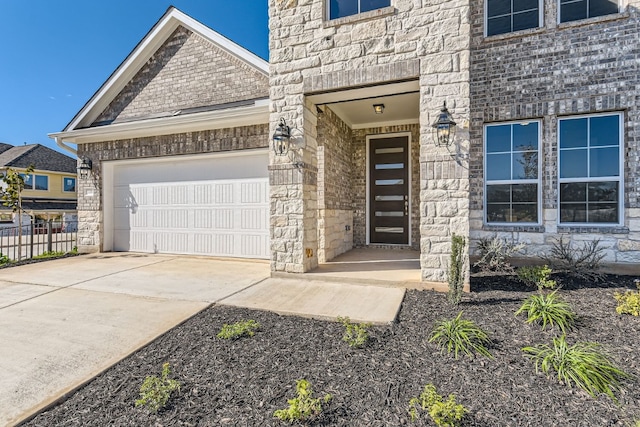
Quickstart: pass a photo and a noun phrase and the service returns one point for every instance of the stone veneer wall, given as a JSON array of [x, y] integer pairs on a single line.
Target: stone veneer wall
[[426, 41], [335, 186], [580, 67], [187, 71], [360, 180], [90, 202]]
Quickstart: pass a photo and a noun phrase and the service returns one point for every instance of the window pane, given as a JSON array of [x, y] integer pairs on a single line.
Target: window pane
[[524, 213], [604, 162], [603, 192], [573, 212], [573, 11], [602, 7], [340, 8], [525, 136], [573, 133], [603, 212], [525, 165], [389, 181], [367, 5], [573, 192], [69, 184], [525, 193], [498, 213], [604, 131], [498, 167], [498, 193], [390, 166], [500, 25], [28, 180], [522, 5], [573, 163], [498, 7], [498, 138], [525, 20], [42, 182]]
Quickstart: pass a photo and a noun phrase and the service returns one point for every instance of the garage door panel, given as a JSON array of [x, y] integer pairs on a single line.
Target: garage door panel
[[219, 217]]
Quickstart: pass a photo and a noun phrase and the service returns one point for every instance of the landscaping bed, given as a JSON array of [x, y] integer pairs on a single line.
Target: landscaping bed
[[242, 382]]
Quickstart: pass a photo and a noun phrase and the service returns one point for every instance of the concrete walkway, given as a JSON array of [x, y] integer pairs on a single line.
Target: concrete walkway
[[62, 322]]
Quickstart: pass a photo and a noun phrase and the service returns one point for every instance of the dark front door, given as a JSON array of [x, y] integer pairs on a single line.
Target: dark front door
[[389, 190]]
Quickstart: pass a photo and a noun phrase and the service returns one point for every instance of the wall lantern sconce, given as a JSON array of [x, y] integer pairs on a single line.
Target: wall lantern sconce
[[444, 129], [84, 168], [378, 108], [282, 138]]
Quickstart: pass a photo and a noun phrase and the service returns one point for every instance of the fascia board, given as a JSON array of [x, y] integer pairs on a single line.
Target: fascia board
[[245, 116], [141, 54]]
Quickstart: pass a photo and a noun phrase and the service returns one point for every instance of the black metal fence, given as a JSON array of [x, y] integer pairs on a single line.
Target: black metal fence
[[37, 239]]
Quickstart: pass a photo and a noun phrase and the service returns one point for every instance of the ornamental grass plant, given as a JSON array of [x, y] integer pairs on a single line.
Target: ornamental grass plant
[[459, 335], [548, 309]]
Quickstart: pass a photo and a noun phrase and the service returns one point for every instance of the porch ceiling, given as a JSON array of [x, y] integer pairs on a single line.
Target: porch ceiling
[[355, 107]]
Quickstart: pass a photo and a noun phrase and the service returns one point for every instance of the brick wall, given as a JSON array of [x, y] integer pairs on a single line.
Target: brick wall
[[187, 71], [557, 71]]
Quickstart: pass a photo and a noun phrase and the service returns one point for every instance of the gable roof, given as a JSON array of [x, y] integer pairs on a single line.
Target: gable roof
[[141, 54], [4, 147], [41, 157]]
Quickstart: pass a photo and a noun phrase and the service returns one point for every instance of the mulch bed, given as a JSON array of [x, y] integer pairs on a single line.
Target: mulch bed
[[242, 382]]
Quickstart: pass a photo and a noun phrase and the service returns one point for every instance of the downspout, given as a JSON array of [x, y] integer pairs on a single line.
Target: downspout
[[60, 143]]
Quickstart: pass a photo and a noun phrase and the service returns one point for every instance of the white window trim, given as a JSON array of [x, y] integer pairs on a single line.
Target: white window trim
[[69, 177], [328, 10], [368, 186], [559, 15], [486, 19], [619, 178], [537, 181]]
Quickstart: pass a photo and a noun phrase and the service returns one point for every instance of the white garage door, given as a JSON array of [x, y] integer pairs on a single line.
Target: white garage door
[[217, 206]]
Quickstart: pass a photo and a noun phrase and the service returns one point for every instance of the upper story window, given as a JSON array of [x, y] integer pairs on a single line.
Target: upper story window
[[590, 166], [506, 16], [342, 8], [512, 173], [68, 184], [36, 182], [573, 10]]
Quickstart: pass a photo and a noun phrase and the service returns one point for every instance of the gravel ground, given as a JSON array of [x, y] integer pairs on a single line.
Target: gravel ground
[[242, 382]]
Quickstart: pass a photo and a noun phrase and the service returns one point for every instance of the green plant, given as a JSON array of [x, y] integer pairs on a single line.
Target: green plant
[[536, 275], [49, 254], [456, 274], [444, 413], [582, 364], [4, 259], [13, 183], [495, 253], [582, 263], [238, 329], [155, 392], [628, 303], [460, 335], [355, 334], [548, 309], [304, 406]]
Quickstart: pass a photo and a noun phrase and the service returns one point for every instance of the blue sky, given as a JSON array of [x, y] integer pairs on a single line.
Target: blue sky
[[56, 54]]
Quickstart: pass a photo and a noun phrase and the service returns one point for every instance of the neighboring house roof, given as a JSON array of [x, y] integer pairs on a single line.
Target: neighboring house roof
[[4, 147], [45, 205], [41, 157], [102, 117]]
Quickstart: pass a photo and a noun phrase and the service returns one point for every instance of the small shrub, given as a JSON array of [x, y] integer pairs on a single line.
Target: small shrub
[[304, 406], [460, 335], [238, 330], [495, 254], [49, 254], [155, 392], [4, 259], [548, 310], [537, 275], [582, 364], [629, 302], [444, 413], [456, 273], [582, 263], [355, 334]]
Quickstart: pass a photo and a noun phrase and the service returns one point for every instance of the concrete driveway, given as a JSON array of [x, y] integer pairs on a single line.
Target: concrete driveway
[[64, 321]]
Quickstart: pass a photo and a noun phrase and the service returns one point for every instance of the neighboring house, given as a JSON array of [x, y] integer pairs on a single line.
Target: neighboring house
[[545, 93], [50, 191]]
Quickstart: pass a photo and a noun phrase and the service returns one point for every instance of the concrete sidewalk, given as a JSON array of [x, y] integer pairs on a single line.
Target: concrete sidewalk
[[64, 321]]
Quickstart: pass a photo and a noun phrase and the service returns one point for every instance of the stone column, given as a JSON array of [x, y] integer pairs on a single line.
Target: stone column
[[90, 215]]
